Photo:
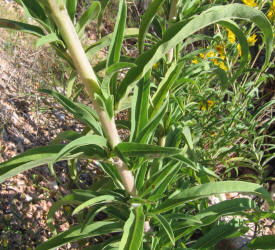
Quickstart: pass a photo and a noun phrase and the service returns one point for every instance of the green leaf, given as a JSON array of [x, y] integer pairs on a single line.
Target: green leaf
[[188, 137], [35, 11], [154, 182], [80, 111], [24, 27], [95, 140], [130, 149], [100, 199], [166, 226], [216, 234], [75, 233], [87, 17], [68, 135], [146, 20], [180, 31], [106, 40], [27, 160], [116, 43], [117, 36], [139, 111], [211, 214], [113, 69], [111, 170], [165, 85], [50, 38], [152, 124], [104, 4], [263, 242], [133, 230], [71, 8], [213, 188]]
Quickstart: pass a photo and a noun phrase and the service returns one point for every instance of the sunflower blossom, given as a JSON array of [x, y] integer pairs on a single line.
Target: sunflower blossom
[[250, 3]]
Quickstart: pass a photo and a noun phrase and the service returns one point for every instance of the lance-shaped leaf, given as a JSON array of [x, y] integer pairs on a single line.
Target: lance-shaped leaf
[[71, 8], [151, 125], [116, 43], [88, 16], [75, 233], [50, 38], [35, 11], [216, 234], [163, 176], [97, 200], [213, 188], [106, 41], [104, 4], [24, 27], [80, 111], [27, 160], [130, 149], [213, 213], [139, 111], [133, 230], [263, 242], [117, 37], [93, 140], [180, 31], [146, 20], [165, 226]]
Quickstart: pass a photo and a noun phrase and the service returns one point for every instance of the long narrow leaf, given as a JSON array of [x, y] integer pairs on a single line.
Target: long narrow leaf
[[133, 230], [208, 189], [146, 20], [129, 149], [24, 27]]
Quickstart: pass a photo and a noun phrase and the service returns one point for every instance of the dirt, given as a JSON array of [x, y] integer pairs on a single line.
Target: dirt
[[29, 119]]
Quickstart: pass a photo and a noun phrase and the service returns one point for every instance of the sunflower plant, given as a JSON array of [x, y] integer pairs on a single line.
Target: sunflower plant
[[154, 191]]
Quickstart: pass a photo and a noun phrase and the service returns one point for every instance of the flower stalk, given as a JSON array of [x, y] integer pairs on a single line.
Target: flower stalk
[[60, 15]]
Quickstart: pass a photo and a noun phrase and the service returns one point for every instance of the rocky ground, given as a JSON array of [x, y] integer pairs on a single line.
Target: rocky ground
[[27, 120]]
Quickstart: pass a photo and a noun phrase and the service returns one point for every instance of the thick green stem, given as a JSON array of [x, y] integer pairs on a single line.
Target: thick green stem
[[60, 15]]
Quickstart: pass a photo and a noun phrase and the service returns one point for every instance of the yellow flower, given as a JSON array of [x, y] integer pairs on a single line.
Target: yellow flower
[[203, 107], [156, 65], [215, 61], [195, 61], [271, 12], [222, 66], [201, 55], [220, 49], [252, 40], [210, 103], [207, 105], [211, 54], [239, 49], [250, 3], [231, 36], [5, 242]]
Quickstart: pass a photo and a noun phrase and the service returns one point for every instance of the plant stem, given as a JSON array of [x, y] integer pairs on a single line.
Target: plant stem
[[60, 15], [172, 17]]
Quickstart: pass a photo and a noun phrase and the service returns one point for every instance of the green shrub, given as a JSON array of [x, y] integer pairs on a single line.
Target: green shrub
[[188, 95]]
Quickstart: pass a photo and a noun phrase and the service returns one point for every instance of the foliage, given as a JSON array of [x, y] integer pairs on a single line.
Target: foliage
[[194, 120]]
